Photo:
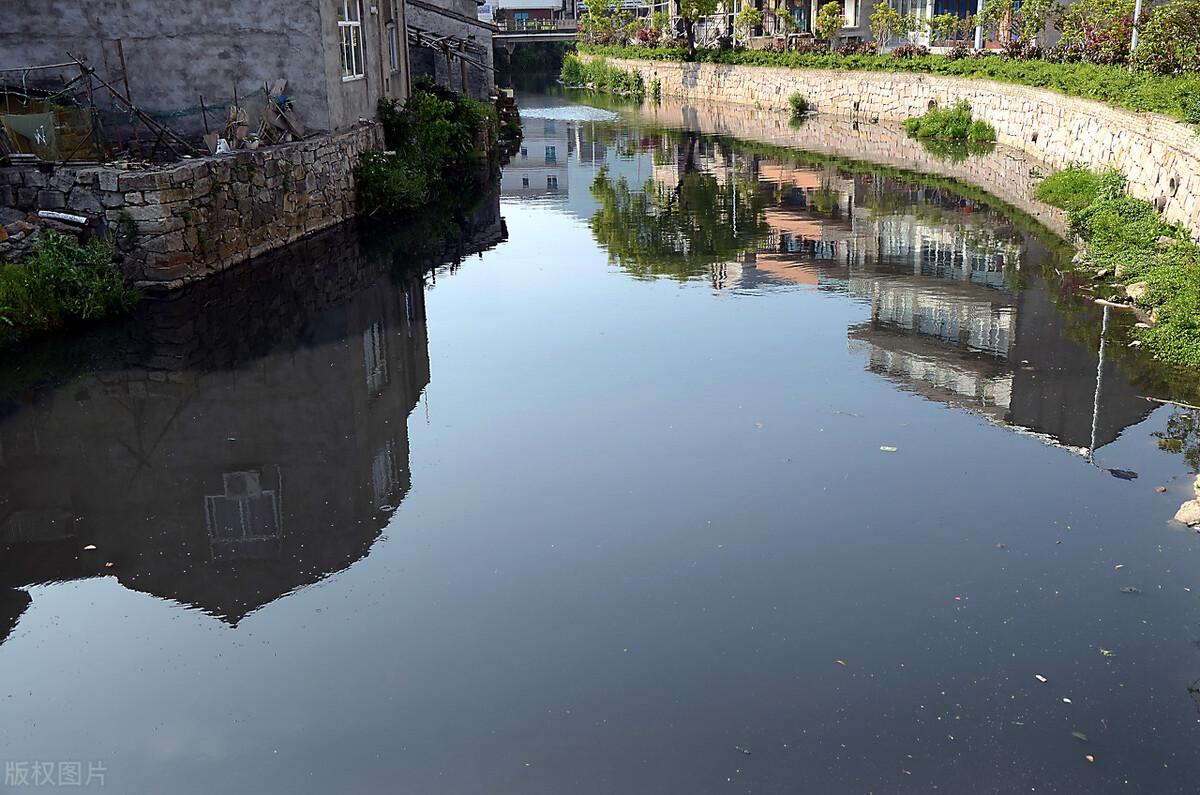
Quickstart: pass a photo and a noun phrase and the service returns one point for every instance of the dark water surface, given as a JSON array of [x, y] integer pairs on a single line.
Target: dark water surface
[[607, 506]]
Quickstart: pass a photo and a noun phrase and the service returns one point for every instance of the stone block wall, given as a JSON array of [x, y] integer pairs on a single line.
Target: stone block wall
[[1160, 156], [182, 222]]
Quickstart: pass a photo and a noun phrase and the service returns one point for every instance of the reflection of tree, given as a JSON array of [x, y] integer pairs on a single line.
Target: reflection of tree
[[679, 230], [1182, 436]]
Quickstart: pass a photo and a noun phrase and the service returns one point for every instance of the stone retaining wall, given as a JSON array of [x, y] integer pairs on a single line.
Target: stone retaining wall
[[1160, 156], [182, 222]]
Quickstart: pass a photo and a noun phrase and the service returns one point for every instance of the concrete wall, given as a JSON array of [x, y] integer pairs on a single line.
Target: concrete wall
[[182, 222], [176, 50], [446, 19], [1160, 156], [354, 99]]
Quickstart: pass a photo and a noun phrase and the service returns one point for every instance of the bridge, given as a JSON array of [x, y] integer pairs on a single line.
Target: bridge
[[525, 31]]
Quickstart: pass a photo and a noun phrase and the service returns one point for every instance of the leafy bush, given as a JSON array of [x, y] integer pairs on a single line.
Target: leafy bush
[[798, 103], [950, 124], [887, 23], [61, 283], [747, 20], [1071, 189], [1170, 39], [1136, 90], [856, 48], [910, 51], [599, 75], [1124, 236], [434, 143]]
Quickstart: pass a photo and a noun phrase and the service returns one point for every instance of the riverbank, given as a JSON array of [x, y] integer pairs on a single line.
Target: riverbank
[[1159, 157]]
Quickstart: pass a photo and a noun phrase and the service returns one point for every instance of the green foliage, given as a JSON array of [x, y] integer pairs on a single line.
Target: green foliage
[[1033, 18], [887, 23], [748, 19], [433, 141], [798, 103], [1170, 39], [1136, 90], [830, 21], [660, 21], [784, 19], [949, 26], [61, 283], [1124, 235], [1082, 18], [599, 75], [1071, 189], [950, 124]]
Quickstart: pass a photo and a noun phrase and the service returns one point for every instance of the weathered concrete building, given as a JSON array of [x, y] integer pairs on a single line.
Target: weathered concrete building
[[338, 56], [450, 45]]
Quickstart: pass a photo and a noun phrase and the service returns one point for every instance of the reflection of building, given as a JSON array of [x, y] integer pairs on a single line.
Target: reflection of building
[[252, 440], [540, 167]]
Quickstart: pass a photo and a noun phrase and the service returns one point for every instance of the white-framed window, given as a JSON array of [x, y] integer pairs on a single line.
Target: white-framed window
[[350, 34], [393, 41]]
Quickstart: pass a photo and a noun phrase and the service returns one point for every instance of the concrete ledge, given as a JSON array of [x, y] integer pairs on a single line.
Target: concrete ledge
[[1160, 156]]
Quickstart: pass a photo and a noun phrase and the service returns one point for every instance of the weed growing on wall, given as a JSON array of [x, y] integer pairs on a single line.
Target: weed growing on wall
[[599, 75], [1140, 258], [950, 124], [60, 284]]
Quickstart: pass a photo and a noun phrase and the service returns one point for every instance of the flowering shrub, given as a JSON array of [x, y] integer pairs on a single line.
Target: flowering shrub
[[648, 36], [857, 48]]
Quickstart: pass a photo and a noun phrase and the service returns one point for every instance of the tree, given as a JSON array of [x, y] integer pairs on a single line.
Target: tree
[[949, 26], [784, 21], [830, 22], [691, 12], [886, 23], [747, 20]]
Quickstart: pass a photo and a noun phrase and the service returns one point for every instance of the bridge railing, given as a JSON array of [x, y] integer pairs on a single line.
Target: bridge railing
[[537, 26]]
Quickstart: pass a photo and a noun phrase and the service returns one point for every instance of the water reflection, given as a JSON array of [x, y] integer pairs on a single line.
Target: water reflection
[[241, 439]]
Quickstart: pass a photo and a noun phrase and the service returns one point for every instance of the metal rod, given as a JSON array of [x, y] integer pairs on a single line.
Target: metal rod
[[1137, 13]]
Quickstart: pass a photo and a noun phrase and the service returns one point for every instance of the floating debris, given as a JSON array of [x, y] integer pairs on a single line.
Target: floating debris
[[1160, 489], [1066, 700], [1107, 653], [742, 750], [887, 448], [1130, 589], [1041, 678], [840, 662], [1118, 567], [1078, 735], [89, 547], [1089, 757]]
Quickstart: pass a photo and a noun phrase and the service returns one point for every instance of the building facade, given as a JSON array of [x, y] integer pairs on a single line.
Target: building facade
[[339, 57]]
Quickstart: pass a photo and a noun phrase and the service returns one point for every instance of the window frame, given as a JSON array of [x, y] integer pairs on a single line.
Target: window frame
[[350, 40], [393, 42]]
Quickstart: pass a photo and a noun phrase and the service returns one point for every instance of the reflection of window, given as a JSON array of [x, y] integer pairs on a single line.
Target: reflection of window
[[551, 183], [524, 152], [244, 521], [375, 358], [350, 32], [383, 474], [524, 182], [551, 155], [393, 41], [548, 127]]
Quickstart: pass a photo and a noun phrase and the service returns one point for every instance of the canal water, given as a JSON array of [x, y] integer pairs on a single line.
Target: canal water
[[682, 465]]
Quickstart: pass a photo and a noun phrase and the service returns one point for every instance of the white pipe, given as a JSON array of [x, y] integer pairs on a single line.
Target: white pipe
[[1137, 13], [979, 26]]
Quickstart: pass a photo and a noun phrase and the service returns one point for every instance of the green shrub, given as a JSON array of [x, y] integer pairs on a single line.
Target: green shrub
[[950, 124], [433, 140], [1136, 90], [1071, 189], [599, 75], [798, 103], [1170, 39], [1125, 236], [571, 73], [61, 283]]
